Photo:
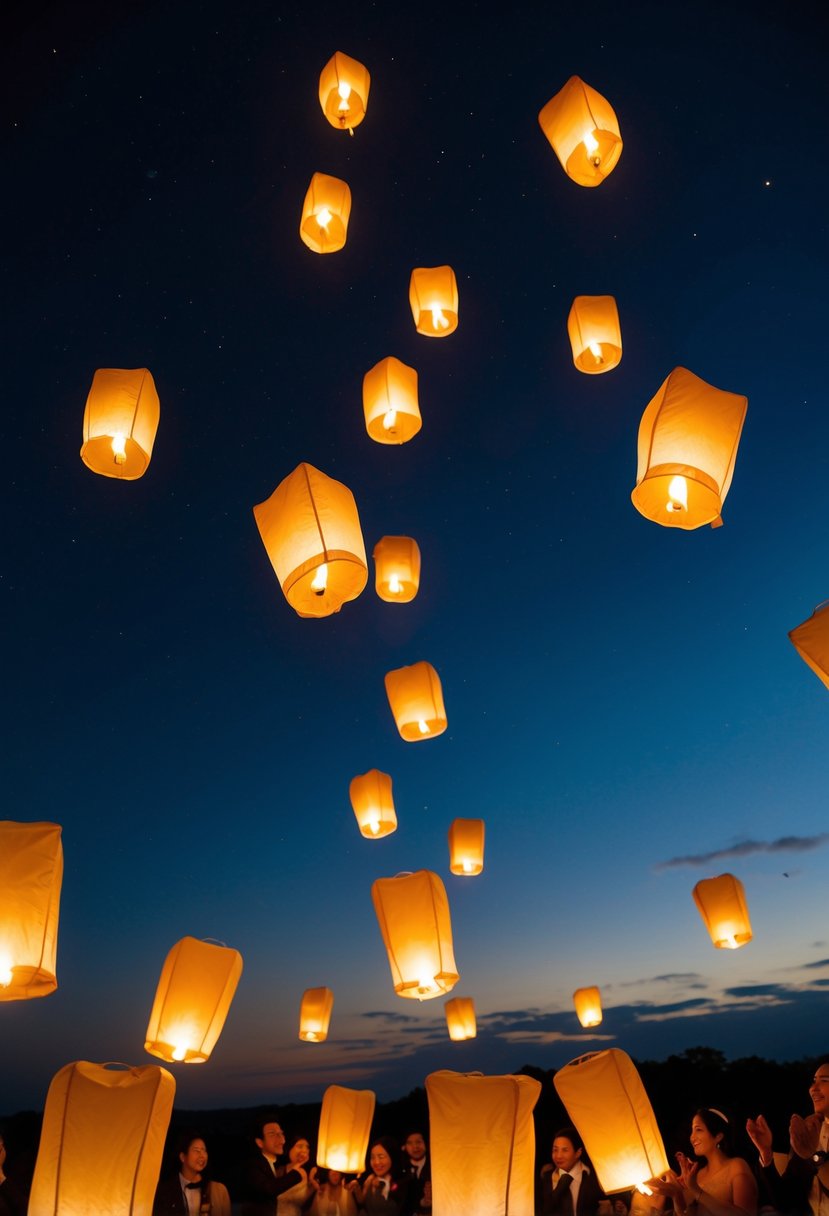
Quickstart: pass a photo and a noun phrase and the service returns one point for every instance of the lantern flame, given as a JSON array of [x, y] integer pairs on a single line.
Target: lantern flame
[[119, 450], [596, 351], [592, 146], [439, 319], [643, 1189], [395, 586], [311, 1036], [319, 582], [6, 976], [344, 91], [678, 494], [324, 217], [390, 421], [422, 727], [374, 825], [179, 1052], [467, 867]]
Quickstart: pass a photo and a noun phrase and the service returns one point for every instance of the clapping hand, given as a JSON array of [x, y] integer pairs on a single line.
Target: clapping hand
[[804, 1134], [759, 1133]]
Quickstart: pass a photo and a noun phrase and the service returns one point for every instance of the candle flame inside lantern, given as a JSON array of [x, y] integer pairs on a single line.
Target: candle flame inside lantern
[[678, 494]]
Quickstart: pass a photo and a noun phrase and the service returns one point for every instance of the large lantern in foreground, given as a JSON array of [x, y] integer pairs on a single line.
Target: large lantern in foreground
[[416, 699], [390, 404], [460, 1018], [344, 86], [722, 905], [315, 1014], [466, 846], [595, 334], [588, 1003], [607, 1103], [373, 804], [433, 296], [31, 871], [323, 226], [192, 1000], [688, 441], [413, 914], [811, 641], [102, 1141], [345, 1126], [482, 1143], [311, 531], [120, 422], [584, 131]]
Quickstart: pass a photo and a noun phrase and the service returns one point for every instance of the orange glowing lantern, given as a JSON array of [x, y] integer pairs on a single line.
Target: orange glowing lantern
[[466, 846], [373, 804], [433, 296], [595, 334], [460, 1018], [390, 404], [588, 1003], [416, 700], [584, 131], [120, 422], [722, 905], [413, 914], [397, 569], [325, 213], [192, 1000], [344, 86], [345, 1126], [315, 1014], [31, 872], [811, 641]]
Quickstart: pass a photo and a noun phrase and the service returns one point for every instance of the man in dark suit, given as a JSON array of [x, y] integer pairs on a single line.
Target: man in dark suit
[[569, 1186], [263, 1179], [418, 1171], [802, 1189]]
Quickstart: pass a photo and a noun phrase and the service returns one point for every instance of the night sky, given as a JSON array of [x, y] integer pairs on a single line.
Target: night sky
[[625, 709]]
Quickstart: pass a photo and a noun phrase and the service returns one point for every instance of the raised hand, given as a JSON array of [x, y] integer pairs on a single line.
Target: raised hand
[[804, 1134], [759, 1133]]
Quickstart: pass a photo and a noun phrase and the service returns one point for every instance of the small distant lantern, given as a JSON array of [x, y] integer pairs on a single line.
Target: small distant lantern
[[102, 1140], [588, 1003], [584, 131], [433, 296], [345, 1126], [325, 213], [373, 804], [466, 846], [192, 1000], [120, 422], [396, 569], [811, 641], [482, 1142], [31, 872], [608, 1105], [460, 1018], [344, 86], [722, 905], [413, 914], [311, 531], [595, 334], [315, 1014], [688, 441], [390, 404], [416, 700]]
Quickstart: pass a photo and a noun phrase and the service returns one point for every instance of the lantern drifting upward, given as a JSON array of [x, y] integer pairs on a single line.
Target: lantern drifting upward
[[688, 441], [608, 1105], [595, 334], [460, 1018], [345, 1126], [396, 569], [120, 422], [416, 699], [311, 531], [31, 873], [588, 1003], [373, 804], [584, 132], [413, 914], [325, 214], [390, 404], [192, 1000], [315, 1014], [722, 905], [466, 846], [811, 641], [344, 86], [433, 296]]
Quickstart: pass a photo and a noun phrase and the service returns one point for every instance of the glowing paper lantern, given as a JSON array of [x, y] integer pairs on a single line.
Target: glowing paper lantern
[[595, 334], [482, 1143], [460, 1018], [416, 700], [466, 846], [390, 403], [315, 1014], [120, 422], [325, 213], [373, 804], [345, 1126], [413, 914], [722, 905], [344, 86], [588, 1003], [584, 131], [688, 441], [396, 569], [192, 1000], [102, 1141], [31, 871], [311, 530], [433, 296], [811, 641], [607, 1103]]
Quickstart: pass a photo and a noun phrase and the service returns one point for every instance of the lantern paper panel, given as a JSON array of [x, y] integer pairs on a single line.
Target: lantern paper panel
[[584, 132], [608, 1105], [811, 641], [688, 440], [315, 1014], [588, 1003], [482, 1143], [390, 401], [416, 699], [373, 804], [311, 532], [433, 296], [325, 214], [120, 422], [102, 1141], [396, 569], [31, 873], [595, 334], [345, 1126], [460, 1018], [344, 86], [466, 846], [722, 905], [413, 914], [197, 984]]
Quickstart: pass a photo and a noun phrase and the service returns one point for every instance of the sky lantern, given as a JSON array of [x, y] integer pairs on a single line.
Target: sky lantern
[[192, 1000], [722, 905], [315, 1014], [433, 295], [466, 846], [811, 641], [345, 1126], [396, 569], [413, 914], [482, 1143], [120, 422], [311, 531], [460, 1018], [325, 212], [588, 1003], [102, 1140], [390, 404], [344, 86], [416, 700], [584, 131], [373, 804], [607, 1103], [31, 872], [688, 441], [595, 334]]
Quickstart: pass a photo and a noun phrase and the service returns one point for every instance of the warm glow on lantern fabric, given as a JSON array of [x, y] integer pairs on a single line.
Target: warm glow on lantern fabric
[[122, 402], [722, 905], [343, 91], [315, 1014], [390, 402], [373, 804], [345, 1125], [102, 1141], [433, 296], [397, 569], [416, 699], [192, 1000], [325, 214], [811, 641], [413, 915], [584, 131], [466, 846], [460, 1018], [31, 872], [595, 334], [588, 1003]]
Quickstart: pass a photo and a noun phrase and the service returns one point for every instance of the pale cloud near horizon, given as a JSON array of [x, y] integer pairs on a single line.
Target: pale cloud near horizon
[[550, 1036], [744, 848]]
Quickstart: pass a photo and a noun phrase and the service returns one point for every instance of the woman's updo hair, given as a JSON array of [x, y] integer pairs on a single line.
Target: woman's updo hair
[[716, 1124]]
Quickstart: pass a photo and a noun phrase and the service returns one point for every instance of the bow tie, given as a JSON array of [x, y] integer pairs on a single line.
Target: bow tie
[[192, 1186]]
